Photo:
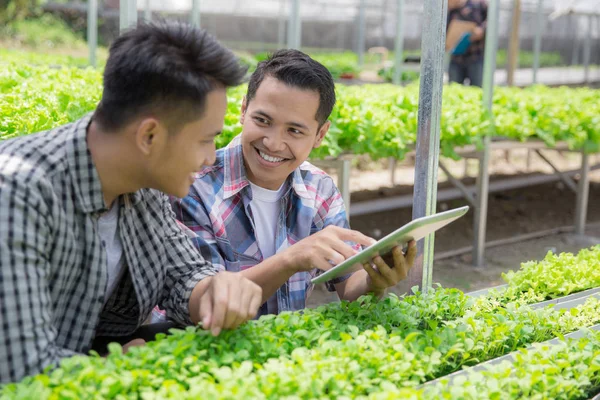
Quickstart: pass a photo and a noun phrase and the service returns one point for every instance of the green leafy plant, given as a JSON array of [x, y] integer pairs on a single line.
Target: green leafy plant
[[375, 120], [557, 275], [41, 32], [34, 99], [387, 74], [526, 58], [19, 57], [363, 349]]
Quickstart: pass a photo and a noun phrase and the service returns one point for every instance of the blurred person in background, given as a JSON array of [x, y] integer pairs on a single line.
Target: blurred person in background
[[470, 64]]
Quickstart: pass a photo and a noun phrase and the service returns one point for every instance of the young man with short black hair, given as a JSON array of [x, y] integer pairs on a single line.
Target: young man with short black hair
[[88, 240], [262, 210]]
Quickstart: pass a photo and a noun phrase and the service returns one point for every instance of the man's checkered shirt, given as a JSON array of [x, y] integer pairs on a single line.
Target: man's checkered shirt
[[53, 268]]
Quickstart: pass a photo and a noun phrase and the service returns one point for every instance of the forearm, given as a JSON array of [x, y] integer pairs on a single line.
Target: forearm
[[270, 274], [355, 286]]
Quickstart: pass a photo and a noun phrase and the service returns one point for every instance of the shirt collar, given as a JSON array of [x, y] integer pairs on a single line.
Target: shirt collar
[[235, 178], [234, 170], [88, 189]]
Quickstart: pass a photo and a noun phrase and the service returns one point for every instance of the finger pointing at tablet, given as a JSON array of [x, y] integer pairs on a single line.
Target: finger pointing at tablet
[[326, 247]]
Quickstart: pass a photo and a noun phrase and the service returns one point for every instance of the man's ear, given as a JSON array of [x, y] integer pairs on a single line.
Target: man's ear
[[321, 134], [150, 135], [243, 110]]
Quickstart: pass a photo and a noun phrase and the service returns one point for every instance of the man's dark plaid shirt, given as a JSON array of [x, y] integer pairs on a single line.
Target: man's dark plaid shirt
[[53, 268], [472, 11]]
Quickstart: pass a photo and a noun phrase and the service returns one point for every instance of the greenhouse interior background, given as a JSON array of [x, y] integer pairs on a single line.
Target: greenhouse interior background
[[503, 303]]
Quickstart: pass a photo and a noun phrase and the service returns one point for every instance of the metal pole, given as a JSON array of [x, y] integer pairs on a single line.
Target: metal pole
[[512, 59], [281, 24], [428, 132], [483, 180], [92, 29], [291, 25], [148, 11], [537, 44], [344, 170], [123, 15], [362, 22], [127, 14], [583, 192], [587, 50], [399, 45], [294, 26], [195, 17], [133, 17], [298, 28]]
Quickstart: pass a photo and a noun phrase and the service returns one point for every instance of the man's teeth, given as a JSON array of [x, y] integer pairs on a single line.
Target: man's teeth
[[269, 158]]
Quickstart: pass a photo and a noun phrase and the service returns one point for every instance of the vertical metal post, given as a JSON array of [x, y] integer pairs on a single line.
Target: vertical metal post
[[362, 22], [298, 27], [195, 16], [489, 66], [295, 26], [583, 192], [512, 59], [399, 45], [92, 29], [127, 14], [148, 11], [344, 182], [428, 132], [537, 44], [587, 50], [123, 15], [392, 163], [281, 24]]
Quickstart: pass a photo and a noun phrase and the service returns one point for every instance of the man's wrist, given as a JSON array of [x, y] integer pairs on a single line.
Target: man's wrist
[[377, 291], [197, 293], [288, 262]]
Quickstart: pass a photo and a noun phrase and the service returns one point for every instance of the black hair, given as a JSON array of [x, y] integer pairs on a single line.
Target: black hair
[[297, 69], [167, 69]]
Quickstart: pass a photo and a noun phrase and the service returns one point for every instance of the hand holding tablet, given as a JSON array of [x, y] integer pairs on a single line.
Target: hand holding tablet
[[414, 230]]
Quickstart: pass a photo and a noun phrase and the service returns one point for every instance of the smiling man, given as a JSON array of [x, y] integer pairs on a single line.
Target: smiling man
[[88, 241], [262, 210]]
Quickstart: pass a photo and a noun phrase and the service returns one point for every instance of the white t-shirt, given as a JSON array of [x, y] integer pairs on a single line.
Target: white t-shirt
[[265, 210], [107, 228]]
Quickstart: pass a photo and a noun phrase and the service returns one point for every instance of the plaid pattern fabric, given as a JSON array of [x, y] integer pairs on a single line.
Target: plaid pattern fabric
[[218, 213], [473, 11], [53, 269]]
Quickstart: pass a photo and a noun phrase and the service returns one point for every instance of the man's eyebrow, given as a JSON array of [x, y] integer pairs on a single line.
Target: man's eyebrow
[[217, 133], [262, 113], [297, 125]]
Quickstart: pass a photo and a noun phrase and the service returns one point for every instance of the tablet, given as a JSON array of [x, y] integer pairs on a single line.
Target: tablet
[[415, 230]]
